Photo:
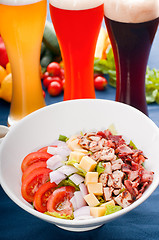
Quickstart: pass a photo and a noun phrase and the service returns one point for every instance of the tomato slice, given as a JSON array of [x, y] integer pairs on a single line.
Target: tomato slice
[[33, 181], [42, 195], [34, 157], [44, 149], [59, 201], [41, 164]]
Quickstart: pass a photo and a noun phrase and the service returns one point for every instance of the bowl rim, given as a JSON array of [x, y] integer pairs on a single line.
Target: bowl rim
[[76, 223]]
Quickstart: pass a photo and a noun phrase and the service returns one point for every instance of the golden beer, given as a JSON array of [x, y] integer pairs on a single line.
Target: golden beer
[[21, 27]]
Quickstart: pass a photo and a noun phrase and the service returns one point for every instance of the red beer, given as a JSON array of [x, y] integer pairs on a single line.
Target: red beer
[[131, 43], [77, 32]]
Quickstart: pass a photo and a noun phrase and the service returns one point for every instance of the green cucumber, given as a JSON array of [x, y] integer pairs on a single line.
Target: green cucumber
[[50, 39], [43, 49], [46, 58]]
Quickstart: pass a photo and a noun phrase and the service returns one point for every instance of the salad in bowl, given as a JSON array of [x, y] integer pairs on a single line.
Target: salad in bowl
[[88, 175]]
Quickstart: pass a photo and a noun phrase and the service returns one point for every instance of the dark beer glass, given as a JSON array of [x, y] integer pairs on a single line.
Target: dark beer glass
[[131, 43]]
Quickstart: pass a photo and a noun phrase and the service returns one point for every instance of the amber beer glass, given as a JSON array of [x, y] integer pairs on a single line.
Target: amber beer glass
[[77, 25], [22, 24], [131, 26]]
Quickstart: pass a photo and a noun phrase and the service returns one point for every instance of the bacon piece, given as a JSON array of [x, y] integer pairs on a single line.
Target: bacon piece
[[132, 190], [124, 199], [146, 176], [124, 150], [117, 139]]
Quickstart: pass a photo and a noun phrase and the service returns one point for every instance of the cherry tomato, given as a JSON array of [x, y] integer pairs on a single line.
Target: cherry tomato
[[42, 195], [47, 81], [55, 88], [62, 75], [32, 167], [59, 201], [44, 94], [100, 83], [54, 69], [46, 74], [34, 157], [44, 149], [33, 181]]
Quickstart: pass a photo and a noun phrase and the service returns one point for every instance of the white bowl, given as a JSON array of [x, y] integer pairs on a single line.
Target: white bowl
[[67, 118]]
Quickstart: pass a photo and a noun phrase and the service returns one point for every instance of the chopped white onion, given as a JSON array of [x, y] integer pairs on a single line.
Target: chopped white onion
[[68, 170], [73, 201], [57, 177], [59, 143], [83, 189], [77, 179], [54, 162], [80, 202], [59, 150], [85, 217], [83, 211]]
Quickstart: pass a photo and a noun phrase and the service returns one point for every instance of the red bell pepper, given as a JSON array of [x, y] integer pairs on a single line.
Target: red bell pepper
[[3, 54]]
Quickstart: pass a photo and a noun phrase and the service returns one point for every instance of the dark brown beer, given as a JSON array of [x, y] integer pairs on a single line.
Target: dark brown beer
[[131, 43]]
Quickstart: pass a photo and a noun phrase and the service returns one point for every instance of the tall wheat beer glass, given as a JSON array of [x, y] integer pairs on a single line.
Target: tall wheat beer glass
[[22, 24], [77, 24], [131, 26]]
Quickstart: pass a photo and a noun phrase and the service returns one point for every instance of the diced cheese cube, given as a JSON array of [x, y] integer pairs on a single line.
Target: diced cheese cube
[[73, 145], [91, 200], [75, 155], [96, 188], [87, 164], [97, 211], [91, 177], [107, 203]]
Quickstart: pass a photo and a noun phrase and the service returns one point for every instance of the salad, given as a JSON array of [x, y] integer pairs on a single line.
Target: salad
[[86, 176]]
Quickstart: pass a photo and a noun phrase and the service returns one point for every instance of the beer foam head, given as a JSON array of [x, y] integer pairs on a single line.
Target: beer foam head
[[76, 4], [18, 2], [131, 11]]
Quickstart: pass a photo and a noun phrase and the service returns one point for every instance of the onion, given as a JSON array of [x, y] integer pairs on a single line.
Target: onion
[[57, 177], [54, 162], [59, 150], [80, 202], [73, 201], [77, 179], [83, 211], [68, 170], [83, 189], [59, 143]]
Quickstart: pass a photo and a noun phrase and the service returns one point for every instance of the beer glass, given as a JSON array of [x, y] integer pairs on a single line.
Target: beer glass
[[77, 25], [21, 26], [131, 26]]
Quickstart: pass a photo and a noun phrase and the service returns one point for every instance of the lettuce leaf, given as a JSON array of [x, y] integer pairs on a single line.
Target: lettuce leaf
[[68, 182], [132, 144], [99, 168], [112, 209], [58, 215]]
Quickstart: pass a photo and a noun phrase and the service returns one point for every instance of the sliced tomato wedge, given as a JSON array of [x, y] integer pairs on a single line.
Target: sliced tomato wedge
[[44, 149], [33, 181], [59, 201], [34, 157], [41, 164], [42, 195]]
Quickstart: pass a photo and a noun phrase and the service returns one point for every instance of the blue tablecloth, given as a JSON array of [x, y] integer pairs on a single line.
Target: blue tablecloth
[[141, 223]]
